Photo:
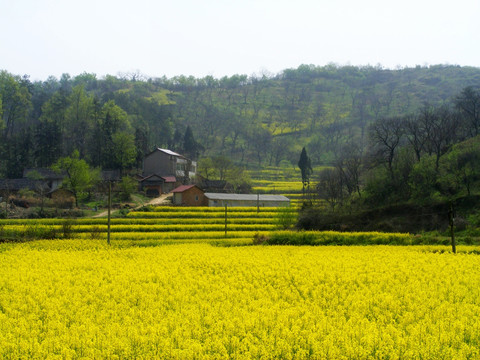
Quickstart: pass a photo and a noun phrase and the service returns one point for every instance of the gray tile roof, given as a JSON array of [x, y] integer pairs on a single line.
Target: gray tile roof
[[18, 184], [45, 173]]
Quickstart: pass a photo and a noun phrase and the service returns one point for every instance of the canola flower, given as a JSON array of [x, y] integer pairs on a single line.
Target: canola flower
[[137, 221], [184, 224], [197, 214], [82, 299]]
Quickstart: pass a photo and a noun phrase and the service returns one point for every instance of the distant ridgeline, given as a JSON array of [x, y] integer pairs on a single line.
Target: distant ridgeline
[[258, 120]]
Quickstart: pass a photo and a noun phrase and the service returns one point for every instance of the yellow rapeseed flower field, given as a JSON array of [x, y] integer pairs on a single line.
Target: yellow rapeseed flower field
[[78, 299]]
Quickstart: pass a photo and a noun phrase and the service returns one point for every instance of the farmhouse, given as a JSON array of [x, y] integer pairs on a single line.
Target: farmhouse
[[164, 169], [189, 195], [218, 199], [165, 162], [51, 178], [13, 186]]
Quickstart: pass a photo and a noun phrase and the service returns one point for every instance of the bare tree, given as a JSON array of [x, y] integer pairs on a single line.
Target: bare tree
[[349, 166], [330, 187], [468, 102], [386, 136], [442, 130], [415, 134]]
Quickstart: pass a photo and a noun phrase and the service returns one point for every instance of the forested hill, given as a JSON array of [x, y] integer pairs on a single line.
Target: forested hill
[[257, 120]]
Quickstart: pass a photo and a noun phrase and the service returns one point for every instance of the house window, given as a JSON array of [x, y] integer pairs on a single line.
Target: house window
[[196, 197]]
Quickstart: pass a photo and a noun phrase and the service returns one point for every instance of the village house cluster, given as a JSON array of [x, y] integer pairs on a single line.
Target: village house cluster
[[164, 171]]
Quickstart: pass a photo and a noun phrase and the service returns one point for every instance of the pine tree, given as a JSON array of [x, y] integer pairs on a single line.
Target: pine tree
[[306, 168], [190, 146]]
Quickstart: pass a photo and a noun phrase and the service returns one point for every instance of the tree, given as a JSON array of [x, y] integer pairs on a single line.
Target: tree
[[15, 103], [222, 165], [141, 145], [442, 132], [206, 167], [416, 133], [124, 151], [176, 142], [239, 179], [106, 142], [79, 177], [423, 179], [48, 143], [330, 187], [305, 166], [460, 168], [79, 120], [127, 188], [468, 102], [385, 137], [349, 165], [280, 147], [190, 146]]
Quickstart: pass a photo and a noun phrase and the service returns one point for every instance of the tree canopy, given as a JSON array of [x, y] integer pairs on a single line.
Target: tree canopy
[[258, 120]]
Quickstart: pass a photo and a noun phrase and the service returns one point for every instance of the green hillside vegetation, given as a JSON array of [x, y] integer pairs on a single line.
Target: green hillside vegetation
[[256, 120], [379, 141]]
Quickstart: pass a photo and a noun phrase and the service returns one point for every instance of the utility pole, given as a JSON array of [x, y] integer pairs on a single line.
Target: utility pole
[[451, 220], [109, 207]]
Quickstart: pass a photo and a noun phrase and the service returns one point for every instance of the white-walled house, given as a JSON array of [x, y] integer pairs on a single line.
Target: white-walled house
[[166, 162]]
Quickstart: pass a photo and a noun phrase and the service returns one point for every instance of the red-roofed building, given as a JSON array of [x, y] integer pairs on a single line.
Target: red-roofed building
[[189, 195]]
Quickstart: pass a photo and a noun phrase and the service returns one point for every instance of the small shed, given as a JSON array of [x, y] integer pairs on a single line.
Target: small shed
[[152, 185], [169, 183], [219, 199], [189, 195], [156, 185]]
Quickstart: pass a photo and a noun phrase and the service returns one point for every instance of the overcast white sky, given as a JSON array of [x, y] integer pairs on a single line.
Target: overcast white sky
[[226, 37]]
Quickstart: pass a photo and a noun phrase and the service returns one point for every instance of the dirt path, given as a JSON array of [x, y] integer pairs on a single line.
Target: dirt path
[[162, 199]]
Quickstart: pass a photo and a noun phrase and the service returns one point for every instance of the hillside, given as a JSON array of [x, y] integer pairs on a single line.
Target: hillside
[[256, 121]]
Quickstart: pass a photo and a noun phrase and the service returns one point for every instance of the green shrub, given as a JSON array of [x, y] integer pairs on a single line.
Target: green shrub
[[96, 232], [37, 231], [291, 238], [332, 238], [67, 227], [260, 239], [286, 217]]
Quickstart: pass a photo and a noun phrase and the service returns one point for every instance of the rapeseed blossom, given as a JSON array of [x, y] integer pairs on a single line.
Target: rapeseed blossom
[[77, 299]]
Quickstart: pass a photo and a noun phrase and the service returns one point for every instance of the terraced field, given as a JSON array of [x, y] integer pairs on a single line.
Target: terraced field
[[282, 181], [163, 223]]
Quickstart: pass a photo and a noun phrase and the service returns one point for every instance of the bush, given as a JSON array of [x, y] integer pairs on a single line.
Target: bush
[[332, 238], [147, 208], [260, 239], [286, 218], [96, 233], [36, 231], [127, 188], [291, 238], [67, 227]]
